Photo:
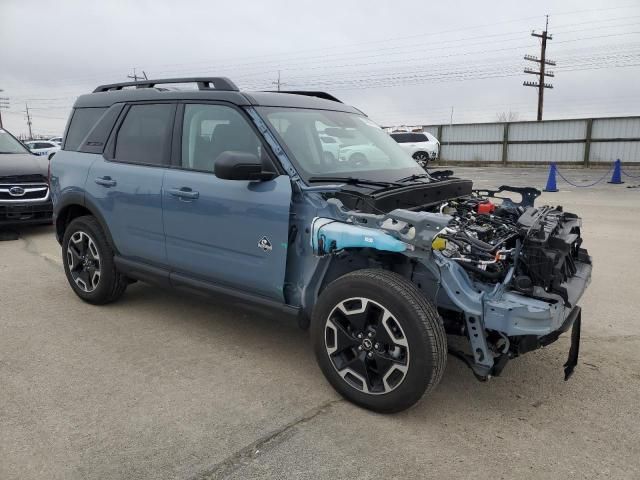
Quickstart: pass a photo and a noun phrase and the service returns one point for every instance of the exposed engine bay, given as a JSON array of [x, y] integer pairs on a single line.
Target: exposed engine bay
[[542, 244], [506, 274]]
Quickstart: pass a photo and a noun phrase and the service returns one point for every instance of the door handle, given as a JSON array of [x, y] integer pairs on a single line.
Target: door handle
[[106, 181], [183, 193]]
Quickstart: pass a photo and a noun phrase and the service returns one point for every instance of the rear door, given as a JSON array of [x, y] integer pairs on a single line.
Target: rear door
[[126, 184], [228, 232]]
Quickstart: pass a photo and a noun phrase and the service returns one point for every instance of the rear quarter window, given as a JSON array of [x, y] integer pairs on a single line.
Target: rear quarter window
[[409, 137], [82, 121], [144, 136]]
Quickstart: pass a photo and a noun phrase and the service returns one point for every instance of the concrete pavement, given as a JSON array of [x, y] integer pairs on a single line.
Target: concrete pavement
[[162, 385]]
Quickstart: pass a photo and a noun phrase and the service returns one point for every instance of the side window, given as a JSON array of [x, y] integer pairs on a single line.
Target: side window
[[82, 122], [145, 135], [209, 130]]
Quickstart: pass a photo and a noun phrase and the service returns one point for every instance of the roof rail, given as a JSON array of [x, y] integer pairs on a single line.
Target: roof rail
[[204, 83], [307, 93]]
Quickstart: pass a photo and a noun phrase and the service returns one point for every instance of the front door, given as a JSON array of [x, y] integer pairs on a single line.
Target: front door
[[228, 232]]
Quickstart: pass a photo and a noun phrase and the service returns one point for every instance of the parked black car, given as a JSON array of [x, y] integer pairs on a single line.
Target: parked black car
[[24, 189]]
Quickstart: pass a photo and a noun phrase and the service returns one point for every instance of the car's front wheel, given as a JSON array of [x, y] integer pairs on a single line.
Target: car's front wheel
[[88, 262], [378, 340]]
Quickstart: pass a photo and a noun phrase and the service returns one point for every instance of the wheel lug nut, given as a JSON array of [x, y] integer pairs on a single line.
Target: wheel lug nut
[[359, 347], [370, 335], [376, 346], [360, 335], [370, 355]]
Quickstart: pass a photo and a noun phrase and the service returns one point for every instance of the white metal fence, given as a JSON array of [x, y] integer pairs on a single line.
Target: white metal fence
[[585, 142]]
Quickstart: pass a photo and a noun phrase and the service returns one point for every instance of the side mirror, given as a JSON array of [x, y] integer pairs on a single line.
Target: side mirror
[[232, 165]]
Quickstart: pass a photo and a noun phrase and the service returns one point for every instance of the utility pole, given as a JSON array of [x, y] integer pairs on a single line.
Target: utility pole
[[135, 76], [4, 103], [278, 82], [28, 121], [541, 72]]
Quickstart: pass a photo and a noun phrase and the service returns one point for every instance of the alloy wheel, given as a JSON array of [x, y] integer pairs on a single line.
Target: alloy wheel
[[367, 345], [421, 157], [83, 260]]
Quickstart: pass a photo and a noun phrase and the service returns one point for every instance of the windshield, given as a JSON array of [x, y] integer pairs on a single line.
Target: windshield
[[325, 143], [8, 144]]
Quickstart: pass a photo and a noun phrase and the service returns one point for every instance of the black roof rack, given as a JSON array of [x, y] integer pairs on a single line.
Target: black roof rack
[[204, 83], [306, 93]]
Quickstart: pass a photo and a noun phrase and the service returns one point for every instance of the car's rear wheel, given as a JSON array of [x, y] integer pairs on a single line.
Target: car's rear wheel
[[422, 158], [88, 262], [378, 340]]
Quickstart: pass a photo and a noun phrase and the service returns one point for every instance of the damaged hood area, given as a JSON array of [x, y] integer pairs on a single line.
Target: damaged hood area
[[533, 251], [410, 196]]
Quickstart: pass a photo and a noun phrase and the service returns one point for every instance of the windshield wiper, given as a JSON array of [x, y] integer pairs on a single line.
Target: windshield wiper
[[354, 181], [413, 177]]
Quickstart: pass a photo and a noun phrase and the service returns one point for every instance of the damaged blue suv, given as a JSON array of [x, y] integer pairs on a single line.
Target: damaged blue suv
[[301, 205]]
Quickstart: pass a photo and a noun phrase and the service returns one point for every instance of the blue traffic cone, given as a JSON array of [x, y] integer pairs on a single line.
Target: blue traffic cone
[[551, 181], [616, 178]]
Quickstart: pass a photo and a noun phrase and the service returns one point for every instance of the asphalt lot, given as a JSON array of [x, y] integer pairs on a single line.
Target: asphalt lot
[[161, 385]]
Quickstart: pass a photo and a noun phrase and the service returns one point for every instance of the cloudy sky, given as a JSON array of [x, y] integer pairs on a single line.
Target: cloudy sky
[[408, 62]]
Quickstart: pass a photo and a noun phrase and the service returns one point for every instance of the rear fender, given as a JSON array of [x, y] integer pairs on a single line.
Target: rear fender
[[76, 204]]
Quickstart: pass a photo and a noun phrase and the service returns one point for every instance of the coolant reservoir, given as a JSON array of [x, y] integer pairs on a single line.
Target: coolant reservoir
[[328, 235], [439, 244]]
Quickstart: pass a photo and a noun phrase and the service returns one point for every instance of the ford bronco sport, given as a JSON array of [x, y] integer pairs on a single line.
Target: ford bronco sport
[[231, 193]]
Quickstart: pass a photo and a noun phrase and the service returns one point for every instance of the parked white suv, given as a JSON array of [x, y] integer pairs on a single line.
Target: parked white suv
[[42, 147], [423, 147]]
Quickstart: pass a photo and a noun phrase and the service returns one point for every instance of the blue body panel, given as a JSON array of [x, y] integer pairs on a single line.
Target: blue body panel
[[69, 173], [216, 236], [334, 235], [132, 208]]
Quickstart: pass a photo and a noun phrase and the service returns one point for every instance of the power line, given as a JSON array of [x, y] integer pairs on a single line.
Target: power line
[[351, 65], [331, 79], [334, 55], [432, 74]]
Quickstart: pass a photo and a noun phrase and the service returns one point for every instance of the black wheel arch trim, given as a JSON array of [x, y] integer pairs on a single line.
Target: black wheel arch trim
[[79, 199], [331, 267]]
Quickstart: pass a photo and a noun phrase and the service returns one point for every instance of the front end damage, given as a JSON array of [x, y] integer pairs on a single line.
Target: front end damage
[[506, 277]]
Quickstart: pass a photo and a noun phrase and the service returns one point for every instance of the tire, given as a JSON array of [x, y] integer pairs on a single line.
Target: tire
[[422, 158], [85, 241], [394, 312]]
